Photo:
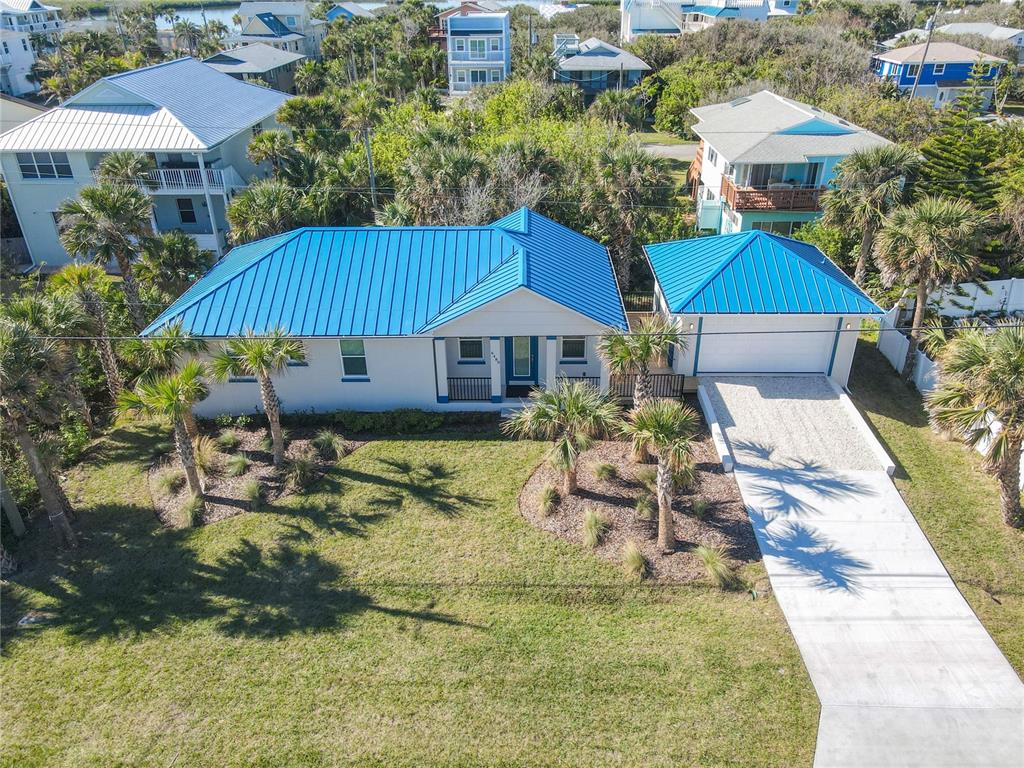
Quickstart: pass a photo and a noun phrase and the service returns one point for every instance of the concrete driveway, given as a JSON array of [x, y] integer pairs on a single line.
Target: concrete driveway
[[906, 674]]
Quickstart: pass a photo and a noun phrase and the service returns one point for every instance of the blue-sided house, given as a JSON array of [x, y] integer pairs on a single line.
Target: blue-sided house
[[443, 318], [755, 302], [479, 47], [942, 74]]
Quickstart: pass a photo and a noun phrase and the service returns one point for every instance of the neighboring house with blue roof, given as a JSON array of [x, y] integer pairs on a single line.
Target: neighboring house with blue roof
[[347, 11], [941, 70], [672, 17], [755, 302], [764, 162], [193, 122], [423, 317], [479, 47]]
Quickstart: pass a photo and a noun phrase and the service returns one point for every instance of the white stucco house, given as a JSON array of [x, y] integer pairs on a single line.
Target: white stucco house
[[193, 121], [756, 302], [438, 318]]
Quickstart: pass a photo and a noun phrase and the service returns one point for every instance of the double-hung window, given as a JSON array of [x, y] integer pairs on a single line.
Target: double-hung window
[[912, 70], [186, 210], [712, 157], [574, 348], [44, 165], [495, 75], [939, 69], [495, 43], [477, 48], [353, 359], [460, 44], [471, 351]]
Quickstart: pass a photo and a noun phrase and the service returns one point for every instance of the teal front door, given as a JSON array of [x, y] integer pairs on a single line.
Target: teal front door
[[520, 360]]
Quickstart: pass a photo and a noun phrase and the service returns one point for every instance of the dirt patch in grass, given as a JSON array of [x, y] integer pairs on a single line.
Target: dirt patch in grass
[[723, 522], [225, 493]]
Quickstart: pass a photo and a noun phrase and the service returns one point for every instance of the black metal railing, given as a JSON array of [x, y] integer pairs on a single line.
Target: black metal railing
[[638, 302], [473, 388], [662, 385]]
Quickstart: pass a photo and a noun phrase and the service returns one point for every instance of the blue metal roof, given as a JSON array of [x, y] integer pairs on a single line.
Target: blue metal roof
[[753, 273], [395, 281]]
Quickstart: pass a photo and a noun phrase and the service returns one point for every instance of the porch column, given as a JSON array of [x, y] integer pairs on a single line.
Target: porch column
[[551, 363], [209, 205], [441, 369], [496, 369], [605, 383]]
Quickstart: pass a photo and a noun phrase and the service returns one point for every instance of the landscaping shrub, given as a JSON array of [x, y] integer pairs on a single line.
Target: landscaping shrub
[[190, 511], [266, 443], [404, 421], [253, 493], [701, 508], [595, 526], [606, 472], [207, 456], [228, 440], [548, 500], [684, 476], [237, 465], [633, 561], [163, 448], [301, 470], [170, 480], [330, 444], [716, 564], [648, 478], [645, 508]]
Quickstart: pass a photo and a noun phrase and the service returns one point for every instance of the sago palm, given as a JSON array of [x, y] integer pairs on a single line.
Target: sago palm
[[109, 221], [29, 395], [869, 184], [633, 352], [981, 379], [61, 318], [172, 396], [261, 355], [572, 415], [924, 244], [87, 283], [667, 429]]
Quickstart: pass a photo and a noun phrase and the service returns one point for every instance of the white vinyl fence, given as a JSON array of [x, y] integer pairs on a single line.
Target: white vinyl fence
[[893, 345], [972, 298]]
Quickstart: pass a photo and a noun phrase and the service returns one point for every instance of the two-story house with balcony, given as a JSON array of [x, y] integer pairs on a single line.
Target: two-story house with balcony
[[941, 74], [594, 65], [764, 162], [30, 17], [675, 17], [439, 32], [479, 49], [288, 26], [194, 122]]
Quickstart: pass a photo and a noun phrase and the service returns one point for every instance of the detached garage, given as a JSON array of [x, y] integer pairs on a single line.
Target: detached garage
[[755, 302]]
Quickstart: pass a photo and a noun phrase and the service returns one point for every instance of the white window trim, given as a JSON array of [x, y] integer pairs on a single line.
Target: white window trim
[[471, 360], [939, 69], [564, 358], [345, 375]]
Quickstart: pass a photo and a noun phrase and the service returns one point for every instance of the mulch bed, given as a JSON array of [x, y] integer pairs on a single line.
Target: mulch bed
[[725, 522], [224, 495]]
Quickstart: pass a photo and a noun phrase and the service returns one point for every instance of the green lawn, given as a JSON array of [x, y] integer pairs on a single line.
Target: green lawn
[[656, 137], [404, 614], [954, 500]]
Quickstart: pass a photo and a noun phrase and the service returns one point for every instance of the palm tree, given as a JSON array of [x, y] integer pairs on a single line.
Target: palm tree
[[274, 146], [923, 244], [267, 207], [61, 318], [665, 428], [361, 114], [261, 356], [869, 184], [613, 106], [572, 415], [189, 33], [28, 394], [167, 350], [85, 283], [981, 379], [124, 167], [633, 352], [109, 221], [172, 396], [172, 261]]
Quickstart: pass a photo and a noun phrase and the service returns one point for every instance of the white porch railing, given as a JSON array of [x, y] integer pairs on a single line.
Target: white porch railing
[[190, 180]]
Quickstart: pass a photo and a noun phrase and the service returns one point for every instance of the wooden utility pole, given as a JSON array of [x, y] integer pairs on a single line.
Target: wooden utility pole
[[927, 42]]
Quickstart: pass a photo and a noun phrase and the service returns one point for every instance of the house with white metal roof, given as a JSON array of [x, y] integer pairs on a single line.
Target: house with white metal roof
[[672, 17], [765, 160], [995, 32], [16, 59], [440, 318], [595, 65], [194, 122], [290, 26], [30, 17], [260, 64], [940, 71], [755, 302]]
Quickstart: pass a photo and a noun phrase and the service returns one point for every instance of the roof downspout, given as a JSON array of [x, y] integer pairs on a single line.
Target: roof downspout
[[835, 346]]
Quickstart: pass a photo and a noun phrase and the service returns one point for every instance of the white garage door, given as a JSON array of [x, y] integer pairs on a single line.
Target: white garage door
[[740, 344]]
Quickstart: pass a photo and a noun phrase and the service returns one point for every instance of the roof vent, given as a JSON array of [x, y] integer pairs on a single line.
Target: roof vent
[[739, 101]]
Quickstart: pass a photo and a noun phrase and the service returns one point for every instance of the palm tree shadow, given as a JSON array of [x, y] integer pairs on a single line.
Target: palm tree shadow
[[776, 487], [429, 484], [806, 551]]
